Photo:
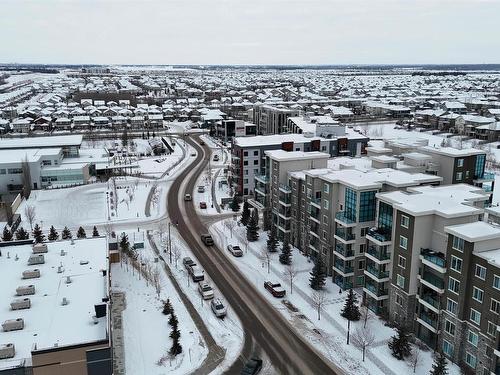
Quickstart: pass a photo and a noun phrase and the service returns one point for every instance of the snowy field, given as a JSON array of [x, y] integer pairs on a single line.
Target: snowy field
[[328, 335]]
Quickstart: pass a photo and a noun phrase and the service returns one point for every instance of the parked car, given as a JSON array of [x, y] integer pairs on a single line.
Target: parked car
[[216, 157], [207, 239], [202, 143], [203, 205], [197, 274], [252, 367], [205, 290], [188, 262], [275, 288], [218, 308], [201, 189], [188, 197], [235, 250]]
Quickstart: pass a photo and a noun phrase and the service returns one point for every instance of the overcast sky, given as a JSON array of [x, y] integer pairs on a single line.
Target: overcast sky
[[250, 31]]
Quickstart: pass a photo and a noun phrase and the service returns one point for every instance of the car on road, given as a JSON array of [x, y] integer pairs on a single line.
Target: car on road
[[202, 143], [197, 274], [207, 239], [216, 157], [218, 308], [193, 154], [203, 205], [201, 189], [188, 197], [275, 289], [235, 250], [252, 367], [205, 290], [188, 262]]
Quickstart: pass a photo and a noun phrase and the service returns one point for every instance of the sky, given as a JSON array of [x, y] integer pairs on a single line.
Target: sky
[[250, 32]]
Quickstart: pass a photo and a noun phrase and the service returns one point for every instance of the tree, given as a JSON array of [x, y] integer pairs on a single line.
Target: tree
[[351, 309], [235, 204], [124, 138], [272, 240], [167, 307], [400, 343], [156, 280], [286, 254], [124, 243], [81, 233], [95, 232], [363, 338], [7, 234], [439, 367], [245, 214], [21, 234], [66, 234], [53, 235], [318, 275], [30, 213], [318, 301], [175, 335], [265, 257], [414, 359], [366, 315], [290, 272], [253, 227], [37, 234]]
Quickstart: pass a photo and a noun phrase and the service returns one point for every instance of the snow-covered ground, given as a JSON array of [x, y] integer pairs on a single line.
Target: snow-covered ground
[[328, 334]]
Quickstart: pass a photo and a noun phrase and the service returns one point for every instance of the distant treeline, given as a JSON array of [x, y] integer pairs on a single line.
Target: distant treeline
[[432, 73]]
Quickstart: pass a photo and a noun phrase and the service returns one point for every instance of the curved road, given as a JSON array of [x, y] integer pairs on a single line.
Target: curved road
[[264, 327]]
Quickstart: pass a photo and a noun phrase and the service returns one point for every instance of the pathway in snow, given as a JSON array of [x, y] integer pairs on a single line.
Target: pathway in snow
[[117, 306]]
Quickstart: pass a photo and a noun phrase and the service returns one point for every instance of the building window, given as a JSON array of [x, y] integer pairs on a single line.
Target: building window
[[326, 188], [399, 300], [449, 327], [477, 294], [456, 264], [470, 360], [458, 243], [451, 306], [400, 281], [460, 163], [367, 206], [495, 306], [325, 234], [405, 221], [245, 162], [403, 242], [453, 285], [362, 248], [350, 204], [480, 272], [448, 348], [479, 168], [325, 219], [385, 216], [496, 282], [256, 153], [364, 231], [472, 338], [402, 262], [3, 171], [326, 204], [361, 265], [492, 329], [14, 171], [459, 176], [245, 153], [255, 162], [475, 316]]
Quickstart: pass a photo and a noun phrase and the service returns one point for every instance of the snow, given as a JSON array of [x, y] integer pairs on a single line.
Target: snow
[[476, 231], [36, 142]]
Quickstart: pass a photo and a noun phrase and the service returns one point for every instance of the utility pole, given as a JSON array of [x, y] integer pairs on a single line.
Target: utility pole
[[169, 243], [348, 329]]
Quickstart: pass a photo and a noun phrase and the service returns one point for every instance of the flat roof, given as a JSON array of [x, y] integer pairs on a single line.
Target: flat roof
[[473, 232], [32, 155], [451, 151], [282, 155], [41, 142], [48, 322]]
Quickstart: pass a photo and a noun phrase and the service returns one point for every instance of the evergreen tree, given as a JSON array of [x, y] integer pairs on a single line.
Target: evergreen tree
[[245, 214], [21, 234], [81, 233], [124, 138], [439, 367], [351, 309], [53, 235], [400, 344], [143, 137], [175, 335], [125, 244], [154, 134], [66, 234], [253, 227], [318, 275], [7, 234], [235, 204], [95, 232], [148, 135], [272, 240], [167, 307], [286, 253], [37, 234]]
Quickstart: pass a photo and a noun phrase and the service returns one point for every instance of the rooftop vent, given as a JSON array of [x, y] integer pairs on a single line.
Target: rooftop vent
[[7, 351], [64, 301], [68, 280]]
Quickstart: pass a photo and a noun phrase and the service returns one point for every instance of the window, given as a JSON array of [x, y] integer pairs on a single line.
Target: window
[[403, 242], [460, 162], [3, 171], [492, 329], [453, 285], [364, 231], [479, 167], [255, 162], [325, 219], [256, 153], [400, 281], [362, 248], [399, 300], [245, 181], [326, 188], [456, 264], [405, 221], [350, 204], [496, 282], [361, 265], [449, 327], [472, 338], [385, 216], [245, 162], [245, 153], [451, 306], [448, 348], [470, 360], [14, 170], [495, 306], [459, 176], [458, 243], [402, 262], [477, 294], [475, 316], [480, 272], [246, 172], [326, 204], [367, 206], [325, 235]]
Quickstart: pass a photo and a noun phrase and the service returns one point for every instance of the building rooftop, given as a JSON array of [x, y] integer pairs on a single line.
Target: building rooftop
[[48, 323], [281, 155], [453, 152], [40, 142], [32, 155], [473, 232]]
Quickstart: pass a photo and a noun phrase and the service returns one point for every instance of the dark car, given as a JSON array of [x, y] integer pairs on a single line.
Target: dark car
[[202, 143], [188, 262], [275, 288], [207, 239], [252, 367], [203, 205]]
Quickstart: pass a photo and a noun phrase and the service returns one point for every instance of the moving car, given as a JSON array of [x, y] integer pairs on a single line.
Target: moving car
[[197, 274], [188, 197], [203, 205], [188, 262], [193, 154], [207, 239], [202, 143], [275, 288], [252, 367], [205, 290], [201, 189], [235, 250], [216, 157], [218, 308]]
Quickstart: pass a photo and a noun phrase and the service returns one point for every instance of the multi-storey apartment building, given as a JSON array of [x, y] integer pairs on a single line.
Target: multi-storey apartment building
[[272, 119]]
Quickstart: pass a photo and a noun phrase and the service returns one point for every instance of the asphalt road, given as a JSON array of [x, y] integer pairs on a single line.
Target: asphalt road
[[266, 330]]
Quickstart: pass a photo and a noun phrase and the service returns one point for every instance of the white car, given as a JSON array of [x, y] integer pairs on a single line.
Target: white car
[[205, 290], [235, 250], [218, 308]]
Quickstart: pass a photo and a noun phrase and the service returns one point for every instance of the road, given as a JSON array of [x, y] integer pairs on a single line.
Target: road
[[266, 330]]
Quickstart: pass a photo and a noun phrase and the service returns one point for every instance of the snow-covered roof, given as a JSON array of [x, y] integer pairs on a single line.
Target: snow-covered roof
[[473, 232], [36, 142], [282, 155], [451, 151]]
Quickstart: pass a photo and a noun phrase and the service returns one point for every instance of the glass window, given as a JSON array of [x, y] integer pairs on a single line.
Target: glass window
[[453, 285], [399, 300], [460, 162], [470, 360], [472, 338], [400, 281], [405, 221], [475, 316], [449, 327], [456, 264], [326, 204], [403, 242], [385, 216], [448, 348], [477, 294], [480, 272], [492, 329], [496, 282], [367, 206], [326, 188], [402, 262], [495, 306], [451, 306], [350, 204], [479, 168], [458, 243], [459, 176]]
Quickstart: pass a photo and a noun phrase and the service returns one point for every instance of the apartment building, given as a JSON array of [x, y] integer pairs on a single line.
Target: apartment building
[[272, 119]]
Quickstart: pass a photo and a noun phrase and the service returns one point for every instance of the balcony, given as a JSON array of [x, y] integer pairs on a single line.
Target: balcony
[[259, 189], [315, 214], [344, 251], [433, 259], [343, 282], [285, 188], [431, 281], [378, 254], [316, 202], [379, 275], [429, 321], [285, 200], [342, 218], [486, 177], [314, 243], [429, 301], [343, 269], [379, 236], [375, 291], [344, 235], [262, 178]]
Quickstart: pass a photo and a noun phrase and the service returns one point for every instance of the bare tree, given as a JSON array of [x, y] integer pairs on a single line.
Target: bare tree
[[155, 195], [363, 338], [108, 228], [230, 224], [265, 257], [319, 301], [30, 213], [156, 280], [245, 242], [366, 315], [415, 358], [290, 272], [176, 252]]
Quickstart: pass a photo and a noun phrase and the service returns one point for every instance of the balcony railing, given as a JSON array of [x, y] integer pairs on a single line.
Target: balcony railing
[[429, 319], [377, 273], [379, 254], [341, 216], [434, 257], [344, 234], [378, 291], [316, 201], [285, 188], [434, 280], [343, 267], [380, 236], [262, 178], [344, 251], [434, 302]]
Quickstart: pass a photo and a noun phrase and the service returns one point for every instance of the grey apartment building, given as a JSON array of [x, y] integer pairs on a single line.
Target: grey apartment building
[[272, 119]]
